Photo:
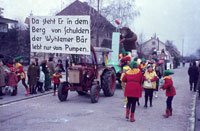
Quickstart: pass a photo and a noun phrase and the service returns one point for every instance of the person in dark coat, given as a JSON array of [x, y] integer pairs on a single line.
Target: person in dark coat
[[193, 76], [32, 77], [158, 73], [198, 84], [46, 71], [133, 89]]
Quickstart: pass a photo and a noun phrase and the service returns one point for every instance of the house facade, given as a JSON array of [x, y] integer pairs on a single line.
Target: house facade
[[154, 44]]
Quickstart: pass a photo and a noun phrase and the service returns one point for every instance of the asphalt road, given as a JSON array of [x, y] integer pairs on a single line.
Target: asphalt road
[[47, 113]]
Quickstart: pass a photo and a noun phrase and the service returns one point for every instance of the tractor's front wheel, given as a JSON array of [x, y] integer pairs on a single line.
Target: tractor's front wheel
[[94, 93], [108, 83], [63, 91]]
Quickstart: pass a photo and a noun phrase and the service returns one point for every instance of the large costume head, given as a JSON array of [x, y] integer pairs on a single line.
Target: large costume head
[[129, 37]]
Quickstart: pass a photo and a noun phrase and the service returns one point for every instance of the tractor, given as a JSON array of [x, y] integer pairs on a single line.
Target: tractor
[[89, 73]]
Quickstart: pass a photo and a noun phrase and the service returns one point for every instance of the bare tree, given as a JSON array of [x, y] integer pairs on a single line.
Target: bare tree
[[124, 11]]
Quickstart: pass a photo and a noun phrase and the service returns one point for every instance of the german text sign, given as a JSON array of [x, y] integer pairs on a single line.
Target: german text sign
[[60, 34]]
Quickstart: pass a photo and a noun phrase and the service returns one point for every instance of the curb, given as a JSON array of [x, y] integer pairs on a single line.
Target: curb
[[26, 98], [192, 118]]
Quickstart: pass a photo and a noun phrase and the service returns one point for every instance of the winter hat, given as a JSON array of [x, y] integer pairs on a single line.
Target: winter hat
[[135, 59], [124, 51], [168, 72], [133, 64], [18, 58], [143, 60]]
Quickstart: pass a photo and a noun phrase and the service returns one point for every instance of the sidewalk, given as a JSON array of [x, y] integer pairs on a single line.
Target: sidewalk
[[21, 93]]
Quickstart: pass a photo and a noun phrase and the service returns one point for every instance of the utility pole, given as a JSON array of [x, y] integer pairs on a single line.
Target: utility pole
[[182, 47], [97, 39]]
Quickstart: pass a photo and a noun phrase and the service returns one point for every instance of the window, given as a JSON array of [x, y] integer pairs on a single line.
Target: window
[[153, 43]]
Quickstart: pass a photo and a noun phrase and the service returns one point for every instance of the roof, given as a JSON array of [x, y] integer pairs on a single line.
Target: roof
[[6, 20], [153, 39], [82, 8]]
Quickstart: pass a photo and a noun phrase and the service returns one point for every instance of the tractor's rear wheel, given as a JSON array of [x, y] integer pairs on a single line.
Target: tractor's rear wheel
[[108, 82], [63, 91], [94, 93]]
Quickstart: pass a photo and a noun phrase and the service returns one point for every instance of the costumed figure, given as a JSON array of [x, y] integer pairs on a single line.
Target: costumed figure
[[123, 84], [12, 82], [20, 72], [124, 59], [149, 84], [133, 90], [170, 92], [128, 38], [56, 80], [143, 66]]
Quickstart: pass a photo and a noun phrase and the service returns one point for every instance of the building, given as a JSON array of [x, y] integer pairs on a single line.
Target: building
[[148, 47], [168, 53], [101, 28]]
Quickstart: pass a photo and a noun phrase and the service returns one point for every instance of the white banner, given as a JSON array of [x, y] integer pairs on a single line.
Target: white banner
[[60, 34]]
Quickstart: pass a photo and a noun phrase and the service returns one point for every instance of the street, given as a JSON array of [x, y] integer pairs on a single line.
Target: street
[[46, 112]]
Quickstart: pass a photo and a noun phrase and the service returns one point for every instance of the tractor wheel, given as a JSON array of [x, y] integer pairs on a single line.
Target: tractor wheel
[[108, 83], [63, 91], [94, 93], [81, 93], [14, 93]]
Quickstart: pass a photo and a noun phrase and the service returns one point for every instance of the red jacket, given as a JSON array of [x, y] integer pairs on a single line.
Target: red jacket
[[56, 78], [12, 79], [133, 79], [168, 85]]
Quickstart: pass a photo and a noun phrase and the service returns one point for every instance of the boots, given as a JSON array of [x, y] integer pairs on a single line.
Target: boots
[[146, 100], [27, 91], [132, 117], [166, 115], [170, 112], [54, 92], [127, 113]]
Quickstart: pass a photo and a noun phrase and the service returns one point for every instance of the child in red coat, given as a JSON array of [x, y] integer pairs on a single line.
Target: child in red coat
[[133, 89], [170, 92], [56, 80], [12, 81]]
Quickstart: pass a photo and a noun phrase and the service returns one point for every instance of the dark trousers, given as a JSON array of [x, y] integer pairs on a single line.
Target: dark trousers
[[24, 83], [169, 102], [55, 86], [148, 95], [39, 86], [131, 103], [193, 87]]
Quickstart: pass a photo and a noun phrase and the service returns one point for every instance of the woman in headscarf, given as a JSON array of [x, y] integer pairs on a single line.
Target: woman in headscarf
[[133, 90]]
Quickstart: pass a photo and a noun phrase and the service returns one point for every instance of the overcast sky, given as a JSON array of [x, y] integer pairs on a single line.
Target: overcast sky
[[170, 19]]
